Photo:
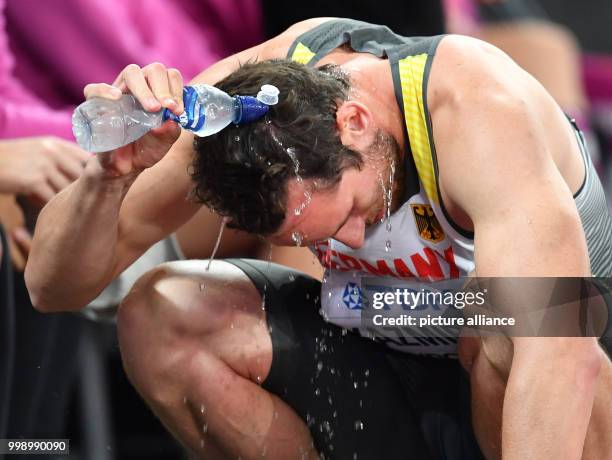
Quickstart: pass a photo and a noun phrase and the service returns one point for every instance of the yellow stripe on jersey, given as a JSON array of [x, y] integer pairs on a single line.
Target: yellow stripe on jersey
[[411, 70], [302, 54]]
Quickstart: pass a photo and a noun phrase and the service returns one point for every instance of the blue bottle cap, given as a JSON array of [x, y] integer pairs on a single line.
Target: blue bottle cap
[[249, 109]]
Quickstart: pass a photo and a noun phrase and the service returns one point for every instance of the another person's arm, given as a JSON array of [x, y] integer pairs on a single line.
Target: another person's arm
[[496, 132], [36, 168]]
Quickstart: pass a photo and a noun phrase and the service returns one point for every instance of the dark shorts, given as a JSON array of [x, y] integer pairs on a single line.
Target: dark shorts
[[360, 399]]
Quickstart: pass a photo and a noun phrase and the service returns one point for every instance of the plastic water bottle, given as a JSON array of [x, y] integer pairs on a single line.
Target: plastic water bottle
[[100, 125]]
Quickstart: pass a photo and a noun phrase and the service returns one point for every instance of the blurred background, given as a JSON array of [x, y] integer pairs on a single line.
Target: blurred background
[[60, 374]]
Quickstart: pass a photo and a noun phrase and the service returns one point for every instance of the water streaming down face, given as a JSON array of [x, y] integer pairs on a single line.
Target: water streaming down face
[[217, 243], [389, 201], [296, 170]]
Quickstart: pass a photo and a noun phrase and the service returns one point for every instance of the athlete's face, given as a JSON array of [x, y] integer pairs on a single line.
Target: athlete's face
[[344, 211]]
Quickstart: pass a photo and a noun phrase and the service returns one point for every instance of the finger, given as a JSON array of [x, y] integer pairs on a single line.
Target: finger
[[57, 180], [43, 193], [175, 80], [137, 85], [157, 77], [22, 239], [167, 133], [71, 150], [71, 168], [102, 90]]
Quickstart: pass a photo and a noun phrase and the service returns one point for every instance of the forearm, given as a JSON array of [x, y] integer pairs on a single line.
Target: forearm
[[549, 398], [74, 252]]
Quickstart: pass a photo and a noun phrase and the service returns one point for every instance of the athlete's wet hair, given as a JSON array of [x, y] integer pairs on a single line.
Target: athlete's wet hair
[[242, 172]]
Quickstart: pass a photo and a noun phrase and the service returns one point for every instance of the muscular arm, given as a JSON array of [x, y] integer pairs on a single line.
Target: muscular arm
[[496, 130], [99, 225]]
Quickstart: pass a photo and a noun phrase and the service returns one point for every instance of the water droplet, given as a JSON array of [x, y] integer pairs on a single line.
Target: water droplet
[[275, 415], [291, 277], [203, 409], [202, 286], [344, 331], [317, 391], [297, 238], [355, 456], [237, 138], [205, 428], [367, 372], [201, 443], [358, 425], [231, 325], [320, 366], [329, 400], [355, 384], [387, 245], [335, 414], [184, 399]]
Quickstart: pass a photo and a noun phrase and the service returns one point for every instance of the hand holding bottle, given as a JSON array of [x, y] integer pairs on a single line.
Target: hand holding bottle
[[154, 87], [117, 120]]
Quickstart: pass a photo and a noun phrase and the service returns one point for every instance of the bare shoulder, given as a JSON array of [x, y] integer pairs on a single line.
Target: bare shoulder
[[465, 67]]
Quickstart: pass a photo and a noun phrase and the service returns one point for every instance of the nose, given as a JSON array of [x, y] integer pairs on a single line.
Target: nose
[[352, 233]]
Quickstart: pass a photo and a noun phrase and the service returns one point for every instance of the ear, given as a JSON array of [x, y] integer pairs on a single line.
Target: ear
[[354, 122]]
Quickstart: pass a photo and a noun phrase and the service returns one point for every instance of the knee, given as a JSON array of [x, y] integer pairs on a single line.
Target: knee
[[173, 299], [169, 310]]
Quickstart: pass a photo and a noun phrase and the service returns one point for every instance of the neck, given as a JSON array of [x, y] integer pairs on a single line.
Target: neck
[[372, 84]]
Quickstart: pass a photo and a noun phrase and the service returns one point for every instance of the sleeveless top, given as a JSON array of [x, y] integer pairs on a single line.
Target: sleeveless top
[[419, 245]]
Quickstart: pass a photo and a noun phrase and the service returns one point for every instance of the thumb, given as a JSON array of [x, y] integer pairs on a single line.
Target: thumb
[[167, 133]]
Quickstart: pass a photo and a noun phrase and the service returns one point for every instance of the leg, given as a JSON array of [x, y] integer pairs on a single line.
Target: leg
[[197, 361], [488, 361], [195, 344]]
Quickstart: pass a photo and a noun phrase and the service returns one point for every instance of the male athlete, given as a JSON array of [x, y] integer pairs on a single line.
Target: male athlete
[[485, 173]]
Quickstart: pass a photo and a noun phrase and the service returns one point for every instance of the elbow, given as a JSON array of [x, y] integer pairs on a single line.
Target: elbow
[[581, 360], [41, 299], [37, 297], [34, 290], [588, 361], [576, 361]]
